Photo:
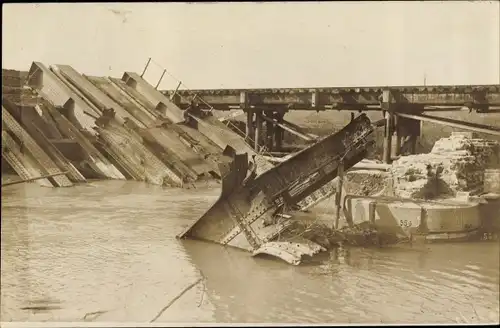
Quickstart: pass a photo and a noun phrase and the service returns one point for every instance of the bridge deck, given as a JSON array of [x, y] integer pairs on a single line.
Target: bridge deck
[[480, 96]]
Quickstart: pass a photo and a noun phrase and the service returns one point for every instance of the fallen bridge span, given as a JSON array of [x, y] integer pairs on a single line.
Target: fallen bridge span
[[247, 197]]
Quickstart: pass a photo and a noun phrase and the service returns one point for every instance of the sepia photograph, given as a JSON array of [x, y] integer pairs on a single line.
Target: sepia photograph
[[184, 164]]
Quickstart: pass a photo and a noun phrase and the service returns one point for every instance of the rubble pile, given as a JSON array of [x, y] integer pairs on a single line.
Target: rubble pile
[[367, 183], [455, 164], [322, 234]]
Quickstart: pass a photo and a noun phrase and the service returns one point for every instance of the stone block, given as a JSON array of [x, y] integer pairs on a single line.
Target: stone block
[[455, 164]]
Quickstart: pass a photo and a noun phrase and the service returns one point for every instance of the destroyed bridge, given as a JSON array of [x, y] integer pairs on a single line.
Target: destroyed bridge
[[61, 127], [403, 108]]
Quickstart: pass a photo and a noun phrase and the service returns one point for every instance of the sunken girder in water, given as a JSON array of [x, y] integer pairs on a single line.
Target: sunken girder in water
[[248, 200]]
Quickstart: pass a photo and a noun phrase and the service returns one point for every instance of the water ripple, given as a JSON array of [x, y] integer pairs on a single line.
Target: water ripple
[[107, 251]]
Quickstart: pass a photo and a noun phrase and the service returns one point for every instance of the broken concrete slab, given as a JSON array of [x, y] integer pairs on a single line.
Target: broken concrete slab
[[161, 103], [50, 87], [37, 127], [24, 165], [127, 149], [131, 105], [94, 94], [94, 158], [45, 162]]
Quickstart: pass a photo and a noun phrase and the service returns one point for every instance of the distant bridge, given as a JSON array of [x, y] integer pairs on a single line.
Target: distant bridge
[[403, 107], [405, 98]]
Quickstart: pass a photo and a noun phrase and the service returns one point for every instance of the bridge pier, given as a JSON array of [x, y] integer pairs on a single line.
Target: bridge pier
[[396, 139], [258, 130], [412, 144], [272, 139], [278, 132], [388, 133], [270, 127], [250, 130], [408, 131]]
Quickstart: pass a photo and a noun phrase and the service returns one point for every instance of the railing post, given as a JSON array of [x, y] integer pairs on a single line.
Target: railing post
[[388, 106], [338, 194], [161, 78], [146, 67], [172, 96]]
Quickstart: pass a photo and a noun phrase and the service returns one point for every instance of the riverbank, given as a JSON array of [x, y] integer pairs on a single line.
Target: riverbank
[[450, 193]]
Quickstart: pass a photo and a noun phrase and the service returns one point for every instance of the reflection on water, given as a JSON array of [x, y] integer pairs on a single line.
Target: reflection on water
[[106, 251]]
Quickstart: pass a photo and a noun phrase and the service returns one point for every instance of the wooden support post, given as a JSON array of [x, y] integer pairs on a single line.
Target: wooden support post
[[413, 144], [258, 130], [278, 133], [388, 106], [416, 130], [250, 131], [397, 138], [388, 137], [396, 146], [269, 136], [338, 194], [407, 133]]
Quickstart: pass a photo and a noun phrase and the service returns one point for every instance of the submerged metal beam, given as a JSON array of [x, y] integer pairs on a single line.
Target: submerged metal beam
[[247, 196]]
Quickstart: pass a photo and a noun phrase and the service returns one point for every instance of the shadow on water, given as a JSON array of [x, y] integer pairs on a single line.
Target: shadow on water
[[42, 305]]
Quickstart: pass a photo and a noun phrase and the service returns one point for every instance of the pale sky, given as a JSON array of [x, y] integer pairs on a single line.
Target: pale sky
[[260, 45]]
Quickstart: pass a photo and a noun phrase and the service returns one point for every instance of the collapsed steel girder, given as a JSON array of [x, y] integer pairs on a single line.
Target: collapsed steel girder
[[245, 198]]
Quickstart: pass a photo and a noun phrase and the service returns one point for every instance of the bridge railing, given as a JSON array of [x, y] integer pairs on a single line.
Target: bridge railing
[[193, 96]]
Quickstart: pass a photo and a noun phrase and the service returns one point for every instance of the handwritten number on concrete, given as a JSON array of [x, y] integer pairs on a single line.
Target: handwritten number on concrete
[[405, 223]]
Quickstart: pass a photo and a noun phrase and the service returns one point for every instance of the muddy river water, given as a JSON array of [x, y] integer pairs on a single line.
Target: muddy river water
[[106, 251]]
